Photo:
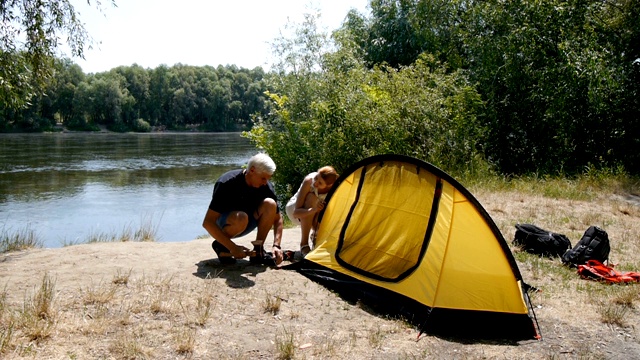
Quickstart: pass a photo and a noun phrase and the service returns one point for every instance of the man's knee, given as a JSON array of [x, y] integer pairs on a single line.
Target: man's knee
[[268, 208], [240, 217], [236, 223]]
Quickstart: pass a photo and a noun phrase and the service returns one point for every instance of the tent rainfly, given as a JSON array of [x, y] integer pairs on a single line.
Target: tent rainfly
[[405, 238]]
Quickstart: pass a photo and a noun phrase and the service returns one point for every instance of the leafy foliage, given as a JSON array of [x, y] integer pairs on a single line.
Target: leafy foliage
[[398, 31], [343, 114], [29, 41], [559, 78], [553, 86]]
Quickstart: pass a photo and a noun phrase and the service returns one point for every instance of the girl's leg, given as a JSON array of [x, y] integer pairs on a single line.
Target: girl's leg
[[314, 229], [306, 224]]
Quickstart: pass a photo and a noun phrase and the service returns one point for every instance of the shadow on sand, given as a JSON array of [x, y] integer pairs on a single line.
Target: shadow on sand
[[237, 275]]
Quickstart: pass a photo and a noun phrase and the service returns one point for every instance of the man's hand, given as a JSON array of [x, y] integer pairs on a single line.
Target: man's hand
[[278, 254], [239, 252]]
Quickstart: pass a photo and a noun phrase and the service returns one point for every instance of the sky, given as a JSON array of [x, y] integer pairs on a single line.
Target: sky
[[195, 32]]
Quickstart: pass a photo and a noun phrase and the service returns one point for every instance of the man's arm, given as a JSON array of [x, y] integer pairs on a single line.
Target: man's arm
[[210, 224], [277, 229], [277, 238]]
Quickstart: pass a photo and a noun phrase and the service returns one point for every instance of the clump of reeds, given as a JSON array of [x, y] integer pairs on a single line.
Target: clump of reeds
[[21, 239]]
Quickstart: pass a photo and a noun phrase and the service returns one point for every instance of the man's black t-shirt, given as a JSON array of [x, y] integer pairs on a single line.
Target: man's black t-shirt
[[231, 193]]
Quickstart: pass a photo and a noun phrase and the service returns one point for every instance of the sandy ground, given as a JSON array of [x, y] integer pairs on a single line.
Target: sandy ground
[[88, 264], [167, 283]]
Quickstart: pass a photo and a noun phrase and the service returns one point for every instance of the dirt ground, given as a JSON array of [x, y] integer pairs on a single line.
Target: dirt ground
[[175, 300]]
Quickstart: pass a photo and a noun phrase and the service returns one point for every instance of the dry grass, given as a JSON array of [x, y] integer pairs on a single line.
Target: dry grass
[[272, 304], [146, 231], [16, 240], [249, 312], [285, 345]]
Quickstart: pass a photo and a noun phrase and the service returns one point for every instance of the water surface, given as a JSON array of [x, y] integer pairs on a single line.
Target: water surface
[[69, 186]]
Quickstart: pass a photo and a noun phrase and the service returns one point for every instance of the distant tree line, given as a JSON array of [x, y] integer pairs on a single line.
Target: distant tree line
[[132, 98]]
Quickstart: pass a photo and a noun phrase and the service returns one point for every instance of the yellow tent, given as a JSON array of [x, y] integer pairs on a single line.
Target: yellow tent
[[401, 233]]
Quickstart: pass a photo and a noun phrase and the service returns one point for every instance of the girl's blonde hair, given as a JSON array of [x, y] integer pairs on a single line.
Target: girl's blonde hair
[[328, 174]]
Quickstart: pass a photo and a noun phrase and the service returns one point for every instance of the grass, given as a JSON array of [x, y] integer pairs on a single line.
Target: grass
[[21, 239], [38, 316], [285, 345], [185, 341], [146, 231], [612, 313], [618, 301], [582, 187], [7, 328], [27, 238], [122, 278], [128, 346], [272, 304]]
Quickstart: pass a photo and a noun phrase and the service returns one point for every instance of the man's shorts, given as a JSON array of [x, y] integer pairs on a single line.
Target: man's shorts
[[252, 225]]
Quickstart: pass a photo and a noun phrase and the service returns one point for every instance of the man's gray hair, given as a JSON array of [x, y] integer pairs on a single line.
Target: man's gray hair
[[262, 163]]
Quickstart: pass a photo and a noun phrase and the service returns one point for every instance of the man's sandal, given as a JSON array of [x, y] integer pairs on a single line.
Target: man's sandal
[[258, 256], [302, 250], [223, 253], [258, 250]]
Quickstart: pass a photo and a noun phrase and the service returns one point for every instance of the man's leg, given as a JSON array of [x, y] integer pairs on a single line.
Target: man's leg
[[234, 223], [231, 224], [265, 215]]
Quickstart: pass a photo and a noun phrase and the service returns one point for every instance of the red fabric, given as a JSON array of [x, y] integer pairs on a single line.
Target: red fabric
[[595, 270]]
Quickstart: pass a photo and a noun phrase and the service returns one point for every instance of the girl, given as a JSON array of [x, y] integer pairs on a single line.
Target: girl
[[303, 208]]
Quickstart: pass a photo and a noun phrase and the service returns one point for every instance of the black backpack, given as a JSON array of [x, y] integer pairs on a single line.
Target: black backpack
[[536, 240], [594, 245]]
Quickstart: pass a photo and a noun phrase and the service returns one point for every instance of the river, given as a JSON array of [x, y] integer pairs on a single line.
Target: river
[[68, 187]]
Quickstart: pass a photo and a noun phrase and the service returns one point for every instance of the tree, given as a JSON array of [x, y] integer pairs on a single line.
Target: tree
[[29, 40], [330, 108], [398, 31], [136, 80], [559, 78], [159, 94], [68, 76], [553, 80], [108, 100]]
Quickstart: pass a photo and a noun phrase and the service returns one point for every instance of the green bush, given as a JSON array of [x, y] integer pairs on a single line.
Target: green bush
[[342, 117], [79, 123], [140, 125], [118, 126]]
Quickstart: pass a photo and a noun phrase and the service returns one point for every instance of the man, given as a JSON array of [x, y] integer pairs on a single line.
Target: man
[[242, 201]]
